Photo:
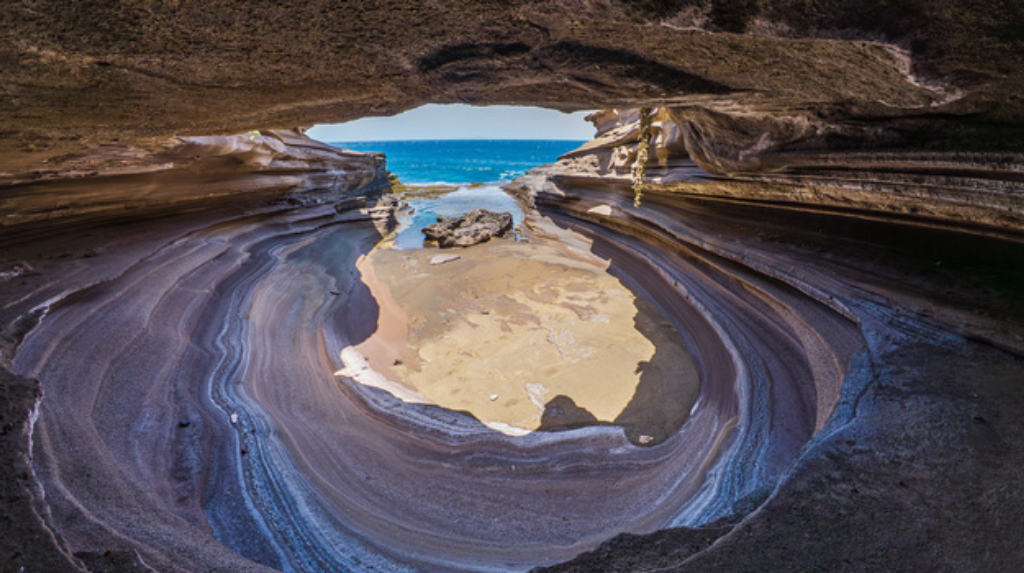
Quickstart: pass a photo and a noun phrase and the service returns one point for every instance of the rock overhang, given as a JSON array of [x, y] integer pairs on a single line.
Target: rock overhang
[[92, 71]]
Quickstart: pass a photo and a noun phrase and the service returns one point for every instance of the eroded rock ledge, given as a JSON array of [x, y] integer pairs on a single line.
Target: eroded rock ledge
[[789, 159], [173, 175], [924, 434]]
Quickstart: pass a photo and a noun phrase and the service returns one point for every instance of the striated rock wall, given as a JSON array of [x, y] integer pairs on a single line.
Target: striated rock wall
[[75, 225], [909, 471], [867, 171], [122, 180], [908, 465]]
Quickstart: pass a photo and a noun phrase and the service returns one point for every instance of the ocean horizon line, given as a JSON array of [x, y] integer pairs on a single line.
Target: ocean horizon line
[[457, 161]]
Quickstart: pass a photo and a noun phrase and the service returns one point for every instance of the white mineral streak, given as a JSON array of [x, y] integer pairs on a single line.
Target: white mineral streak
[[507, 429], [358, 369]]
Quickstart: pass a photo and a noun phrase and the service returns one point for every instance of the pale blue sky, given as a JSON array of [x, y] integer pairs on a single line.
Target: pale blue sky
[[460, 121]]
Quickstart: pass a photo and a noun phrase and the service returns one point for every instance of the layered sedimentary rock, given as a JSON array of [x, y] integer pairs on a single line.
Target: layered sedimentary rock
[[918, 439], [833, 215], [194, 414], [785, 158], [171, 174], [84, 222]]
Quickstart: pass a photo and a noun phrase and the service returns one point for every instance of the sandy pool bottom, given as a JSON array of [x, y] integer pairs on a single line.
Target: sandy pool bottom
[[526, 336]]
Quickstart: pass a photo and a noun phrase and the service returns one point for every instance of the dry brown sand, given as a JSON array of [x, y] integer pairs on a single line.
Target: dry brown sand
[[522, 335]]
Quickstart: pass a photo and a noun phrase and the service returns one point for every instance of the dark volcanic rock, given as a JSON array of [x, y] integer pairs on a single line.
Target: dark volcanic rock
[[476, 226], [27, 541], [112, 561], [628, 553]]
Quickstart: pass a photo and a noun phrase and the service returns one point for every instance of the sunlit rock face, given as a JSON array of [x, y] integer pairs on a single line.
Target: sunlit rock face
[[791, 158], [175, 174], [832, 222]]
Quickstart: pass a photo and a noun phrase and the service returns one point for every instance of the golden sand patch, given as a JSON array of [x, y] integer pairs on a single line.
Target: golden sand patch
[[506, 331]]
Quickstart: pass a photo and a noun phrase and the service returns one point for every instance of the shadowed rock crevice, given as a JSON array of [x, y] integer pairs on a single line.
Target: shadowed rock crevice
[[26, 530], [468, 52], [562, 413], [616, 67], [669, 384]]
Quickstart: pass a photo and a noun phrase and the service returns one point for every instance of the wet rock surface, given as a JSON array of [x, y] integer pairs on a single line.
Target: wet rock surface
[[474, 227]]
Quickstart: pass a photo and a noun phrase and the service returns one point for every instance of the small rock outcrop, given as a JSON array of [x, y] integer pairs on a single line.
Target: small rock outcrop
[[476, 226], [384, 213]]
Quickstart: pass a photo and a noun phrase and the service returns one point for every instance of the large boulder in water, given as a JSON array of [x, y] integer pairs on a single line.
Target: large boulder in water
[[468, 229]]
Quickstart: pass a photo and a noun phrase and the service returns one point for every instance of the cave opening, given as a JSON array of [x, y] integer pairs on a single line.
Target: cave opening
[[530, 331]]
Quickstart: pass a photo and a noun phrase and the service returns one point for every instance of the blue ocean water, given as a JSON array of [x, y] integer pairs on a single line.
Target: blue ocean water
[[464, 161], [451, 177]]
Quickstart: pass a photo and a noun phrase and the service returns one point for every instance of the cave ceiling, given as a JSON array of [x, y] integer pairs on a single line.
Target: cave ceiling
[[79, 73]]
